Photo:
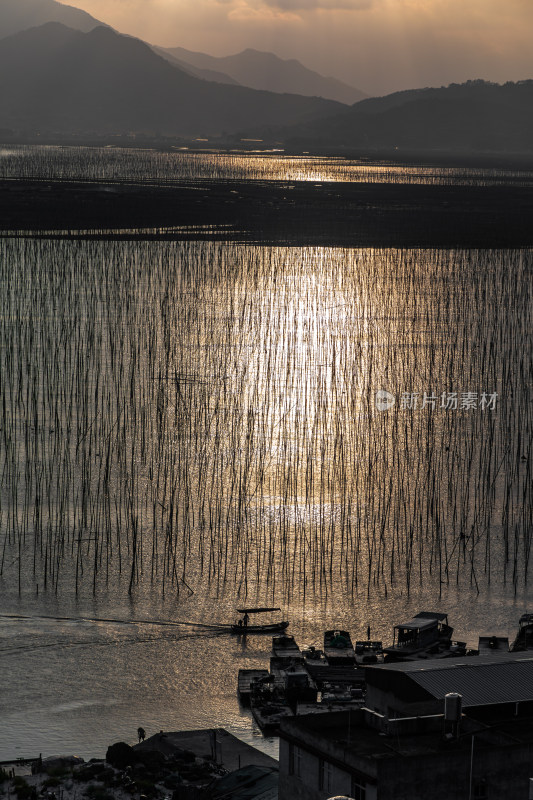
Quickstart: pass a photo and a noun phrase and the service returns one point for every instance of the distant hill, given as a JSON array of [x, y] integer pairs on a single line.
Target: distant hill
[[204, 74], [260, 70], [471, 116], [19, 15], [53, 78]]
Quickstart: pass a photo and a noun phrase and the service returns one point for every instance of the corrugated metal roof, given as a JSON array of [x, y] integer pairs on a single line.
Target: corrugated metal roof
[[423, 663], [480, 680]]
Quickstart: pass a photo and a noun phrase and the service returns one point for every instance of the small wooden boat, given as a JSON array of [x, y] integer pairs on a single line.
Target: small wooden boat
[[285, 647], [338, 647], [368, 652], [269, 713], [493, 645], [313, 654], [269, 716], [245, 681], [298, 685], [242, 627], [269, 704], [272, 627]]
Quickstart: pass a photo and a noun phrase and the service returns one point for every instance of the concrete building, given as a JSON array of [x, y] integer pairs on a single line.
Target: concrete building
[[401, 747]]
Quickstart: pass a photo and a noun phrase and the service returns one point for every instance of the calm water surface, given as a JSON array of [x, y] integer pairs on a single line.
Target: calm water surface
[[185, 427]]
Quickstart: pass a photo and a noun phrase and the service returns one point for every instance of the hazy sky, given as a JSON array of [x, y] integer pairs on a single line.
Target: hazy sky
[[377, 45]]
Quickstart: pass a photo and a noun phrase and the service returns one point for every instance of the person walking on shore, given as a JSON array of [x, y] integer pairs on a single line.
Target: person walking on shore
[[141, 734]]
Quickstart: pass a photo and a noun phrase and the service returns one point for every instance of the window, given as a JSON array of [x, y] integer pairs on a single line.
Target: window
[[325, 772], [297, 761], [358, 789], [481, 791], [328, 774]]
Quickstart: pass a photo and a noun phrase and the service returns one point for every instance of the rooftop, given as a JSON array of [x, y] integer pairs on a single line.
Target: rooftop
[[347, 735], [490, 680]]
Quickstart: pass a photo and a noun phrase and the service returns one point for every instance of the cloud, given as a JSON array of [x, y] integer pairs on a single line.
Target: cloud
[[377, 45], [243, 12], [323, 5]]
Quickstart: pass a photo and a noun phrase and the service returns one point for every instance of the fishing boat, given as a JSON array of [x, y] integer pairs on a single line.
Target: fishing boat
[[313, 654], [285, 647], [268, 715], [493, 645], [298, 685], [369, 652], [524, 637], [269, 704], [245, 682], [426, 635], [243, 626], [338, 647]]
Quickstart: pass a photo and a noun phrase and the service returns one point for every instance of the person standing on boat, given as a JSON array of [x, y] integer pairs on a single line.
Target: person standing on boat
[[245, 619]]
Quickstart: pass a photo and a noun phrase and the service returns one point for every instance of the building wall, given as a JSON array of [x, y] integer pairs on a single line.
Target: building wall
[[499, 773], [388, 704], [303, 772]]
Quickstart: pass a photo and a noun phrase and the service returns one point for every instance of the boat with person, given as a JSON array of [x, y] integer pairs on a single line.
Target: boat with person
[[243, 626]]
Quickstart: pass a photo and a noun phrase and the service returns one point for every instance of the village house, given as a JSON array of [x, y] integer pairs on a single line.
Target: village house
[[439, 729]]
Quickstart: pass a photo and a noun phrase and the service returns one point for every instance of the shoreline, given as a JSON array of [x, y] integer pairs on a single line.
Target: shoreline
[[167, 764]]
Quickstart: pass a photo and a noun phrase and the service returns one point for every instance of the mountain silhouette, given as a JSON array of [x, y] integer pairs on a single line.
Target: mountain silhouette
[[472, 116], [19, 15], [55, 79], [259, 70], [204, 74]]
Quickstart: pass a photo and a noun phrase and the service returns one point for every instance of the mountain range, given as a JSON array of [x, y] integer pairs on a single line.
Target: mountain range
[[250, 68], [472, 116], [54, 78], [260, 70], [83, 77], [19, 15]]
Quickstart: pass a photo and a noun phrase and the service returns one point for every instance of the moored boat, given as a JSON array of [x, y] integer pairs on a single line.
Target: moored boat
[[493, 645], [524, 637], [428, 634], [368, 652], [285, 647], [269, 715], [245, 681], [338, 647], [269, 704]]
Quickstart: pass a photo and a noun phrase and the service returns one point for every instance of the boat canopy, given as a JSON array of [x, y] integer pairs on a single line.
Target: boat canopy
[[432, 615], [417, 624], [255, 610]]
